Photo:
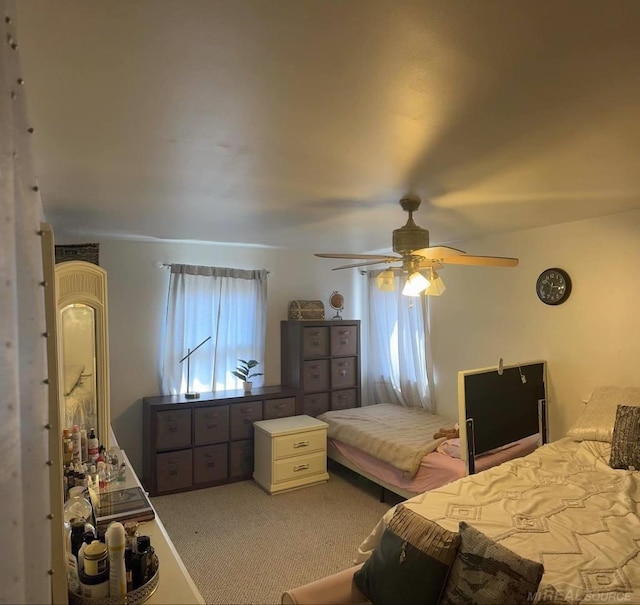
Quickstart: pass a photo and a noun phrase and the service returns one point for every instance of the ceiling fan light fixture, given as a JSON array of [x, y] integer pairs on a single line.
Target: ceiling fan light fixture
[[385, 281], [436, 285], [416, 284]]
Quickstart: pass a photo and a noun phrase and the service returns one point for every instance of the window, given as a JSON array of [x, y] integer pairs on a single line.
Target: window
[[400, 363], [230, 306]]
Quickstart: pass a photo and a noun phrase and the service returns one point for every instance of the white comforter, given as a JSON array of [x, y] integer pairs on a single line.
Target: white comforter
[[561, 505], [399, 435]]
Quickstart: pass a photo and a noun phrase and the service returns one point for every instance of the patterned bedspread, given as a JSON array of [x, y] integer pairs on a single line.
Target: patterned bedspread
[[562, 506], [396, 434]]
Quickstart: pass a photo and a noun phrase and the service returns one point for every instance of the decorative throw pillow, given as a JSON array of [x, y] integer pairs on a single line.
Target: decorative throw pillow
[[599, 415], [487, 573], [625, 444], [411, 563]]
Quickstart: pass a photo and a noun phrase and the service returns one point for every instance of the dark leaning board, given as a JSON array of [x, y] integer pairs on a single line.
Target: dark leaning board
[[499, 407]]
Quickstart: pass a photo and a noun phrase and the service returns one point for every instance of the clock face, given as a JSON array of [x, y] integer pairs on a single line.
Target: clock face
[[553, 286]]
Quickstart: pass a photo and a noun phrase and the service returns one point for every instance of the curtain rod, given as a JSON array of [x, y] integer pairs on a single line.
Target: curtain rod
[[162, 265]]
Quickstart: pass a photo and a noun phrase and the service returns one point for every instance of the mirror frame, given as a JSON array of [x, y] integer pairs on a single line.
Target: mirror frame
[[80, 282]]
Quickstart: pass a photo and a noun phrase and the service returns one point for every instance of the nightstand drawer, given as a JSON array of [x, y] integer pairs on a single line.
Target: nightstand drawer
[[299, 466], [299, 444]]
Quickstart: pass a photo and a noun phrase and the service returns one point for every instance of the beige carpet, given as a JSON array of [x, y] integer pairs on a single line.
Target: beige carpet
[[242, 545]]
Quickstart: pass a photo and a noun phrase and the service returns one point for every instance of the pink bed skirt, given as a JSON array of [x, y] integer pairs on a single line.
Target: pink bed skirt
[[436, 469]]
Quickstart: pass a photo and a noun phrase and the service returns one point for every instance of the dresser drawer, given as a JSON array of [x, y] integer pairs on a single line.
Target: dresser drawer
[[243, 415], [210, 463], [344, 340], [299, 444], [174, 470], [279, 408], [299, 466], [315, 404], [240, 459], [315, 375], [315, 341], [211, 425], [343, 372], [341, 400], [173, 429]]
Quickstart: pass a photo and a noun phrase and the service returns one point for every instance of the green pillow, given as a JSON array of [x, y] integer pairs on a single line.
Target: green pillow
[[411, 564], [625, 443], [487, 573]]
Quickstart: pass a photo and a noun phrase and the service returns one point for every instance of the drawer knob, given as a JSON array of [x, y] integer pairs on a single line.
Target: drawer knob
[[173, 472], [343, 372], [280, 406], [210, 464], [300, 467], [212, 426], [173, 429], [301, 444], [344, 341]]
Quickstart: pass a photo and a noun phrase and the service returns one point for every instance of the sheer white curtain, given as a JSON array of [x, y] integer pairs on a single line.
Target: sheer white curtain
[[25, 555], [230, 305], [399, 347]]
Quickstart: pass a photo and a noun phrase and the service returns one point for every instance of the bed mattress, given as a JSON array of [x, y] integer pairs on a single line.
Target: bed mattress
[[436, 469], [563, 506]]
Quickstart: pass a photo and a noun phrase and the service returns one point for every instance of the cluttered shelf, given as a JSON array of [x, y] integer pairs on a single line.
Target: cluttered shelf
[[125, 499]]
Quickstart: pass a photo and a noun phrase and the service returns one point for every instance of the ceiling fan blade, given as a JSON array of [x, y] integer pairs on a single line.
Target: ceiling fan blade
[[437, 252], [371, 262], [381, 257], [489, 261]]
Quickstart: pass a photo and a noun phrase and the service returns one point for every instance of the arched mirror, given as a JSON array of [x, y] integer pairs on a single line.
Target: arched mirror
[[83, 350]]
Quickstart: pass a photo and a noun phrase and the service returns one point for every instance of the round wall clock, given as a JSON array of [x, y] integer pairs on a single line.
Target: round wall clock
[[553, 286]]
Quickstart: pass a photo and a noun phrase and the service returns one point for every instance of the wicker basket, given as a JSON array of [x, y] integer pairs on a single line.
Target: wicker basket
[[306, 309], [139, 595]]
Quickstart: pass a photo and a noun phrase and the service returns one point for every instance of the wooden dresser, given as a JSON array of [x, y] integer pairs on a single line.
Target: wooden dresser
[[321, 361], [290, 453], [195, 443]]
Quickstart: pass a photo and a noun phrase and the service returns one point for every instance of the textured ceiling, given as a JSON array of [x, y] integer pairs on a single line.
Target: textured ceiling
[[301, 123]]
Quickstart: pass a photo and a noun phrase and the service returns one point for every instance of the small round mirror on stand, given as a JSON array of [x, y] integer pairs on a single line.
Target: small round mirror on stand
[[336, 300]]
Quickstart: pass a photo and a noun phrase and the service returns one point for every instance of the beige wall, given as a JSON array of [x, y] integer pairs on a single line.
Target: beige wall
[[592, 339], [485, 314], [137, 294]]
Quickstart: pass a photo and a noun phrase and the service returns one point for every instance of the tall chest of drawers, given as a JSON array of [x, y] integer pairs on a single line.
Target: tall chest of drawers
[[321, 361], [195, 443]]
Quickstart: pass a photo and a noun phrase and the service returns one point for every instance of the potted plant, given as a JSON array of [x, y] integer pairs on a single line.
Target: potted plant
[[244, 373]]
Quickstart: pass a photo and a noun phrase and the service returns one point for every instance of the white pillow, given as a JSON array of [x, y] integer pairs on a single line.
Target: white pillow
[[599, 415], [72, 377]]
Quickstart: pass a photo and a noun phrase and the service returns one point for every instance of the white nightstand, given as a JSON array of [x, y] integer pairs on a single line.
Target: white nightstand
[[290, 453]]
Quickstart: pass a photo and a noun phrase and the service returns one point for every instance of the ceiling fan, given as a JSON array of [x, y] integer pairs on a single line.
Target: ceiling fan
[[418, 260]]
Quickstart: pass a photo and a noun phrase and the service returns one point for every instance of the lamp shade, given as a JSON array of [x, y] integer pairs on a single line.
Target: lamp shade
[[436, 285], [416, 283]]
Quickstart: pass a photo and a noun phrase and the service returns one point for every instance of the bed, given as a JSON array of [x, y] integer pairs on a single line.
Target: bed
[[500, 417], [570, 506]]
